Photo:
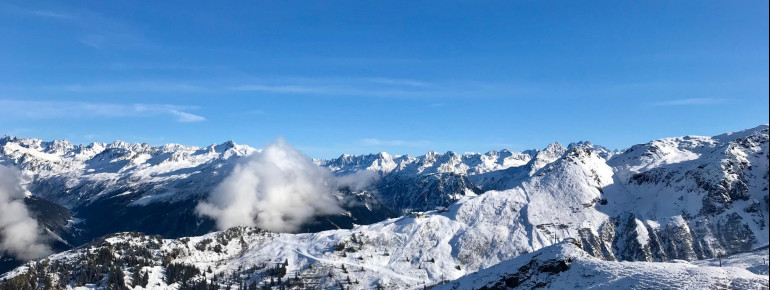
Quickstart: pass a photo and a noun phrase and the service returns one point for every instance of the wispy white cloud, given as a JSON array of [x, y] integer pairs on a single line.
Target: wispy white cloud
[[43, 13], [155, 66], [380, 87], [56, 109], [691, 102], [92, 40], [92, 29], [367, 86], [401, 82], [290, 89], [291, 86], [136, 86], [498, 146], [255, 112], [52, 14], [186, 117], [399, 143], [115, 40]]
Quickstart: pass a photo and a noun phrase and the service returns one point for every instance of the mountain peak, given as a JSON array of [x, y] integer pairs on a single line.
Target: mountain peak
[[581, 144], [555, 147], [554, 150], [656, 192], [726, 137], [227, 145]]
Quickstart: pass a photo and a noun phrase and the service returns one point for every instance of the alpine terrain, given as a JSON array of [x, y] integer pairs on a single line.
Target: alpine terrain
[[675, 213]]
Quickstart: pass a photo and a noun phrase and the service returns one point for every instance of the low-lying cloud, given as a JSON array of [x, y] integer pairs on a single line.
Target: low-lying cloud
[[278, 189], [19, 232], [358, 181]]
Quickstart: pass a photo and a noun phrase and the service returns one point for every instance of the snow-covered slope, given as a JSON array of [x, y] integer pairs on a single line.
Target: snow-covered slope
[[137, 187], [711, 192], [76, 175], [685, 198], [432, 180], [430, 163], [567, 266]]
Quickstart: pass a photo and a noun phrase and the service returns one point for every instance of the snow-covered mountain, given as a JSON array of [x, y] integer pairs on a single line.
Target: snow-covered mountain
[[130, 187], [567, 266], [129, 180], [688, 198], [76, 175]]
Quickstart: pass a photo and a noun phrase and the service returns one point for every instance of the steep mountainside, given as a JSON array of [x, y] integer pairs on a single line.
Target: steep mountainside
[[567, 266], [129, 183], [672, 199], [130, 187]]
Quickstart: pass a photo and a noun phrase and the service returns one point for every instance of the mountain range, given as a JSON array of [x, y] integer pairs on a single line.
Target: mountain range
[[578, 215]]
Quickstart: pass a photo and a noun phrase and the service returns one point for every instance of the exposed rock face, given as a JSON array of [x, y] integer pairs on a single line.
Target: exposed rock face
[[565, 266], [734, 234], [597, 245], [676, 240], [674, 198], [632, 240], [425, 192], [706, 194]]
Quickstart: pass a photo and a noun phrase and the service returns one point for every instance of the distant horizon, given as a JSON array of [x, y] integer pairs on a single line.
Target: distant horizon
[[565, 144], [397, 76]]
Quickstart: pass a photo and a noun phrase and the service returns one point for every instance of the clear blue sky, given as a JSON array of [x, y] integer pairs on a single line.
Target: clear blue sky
[[337, 77]]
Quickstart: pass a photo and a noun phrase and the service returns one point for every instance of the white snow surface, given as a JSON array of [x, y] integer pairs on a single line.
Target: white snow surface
[[587, 272], [73, 175], [547, 197]]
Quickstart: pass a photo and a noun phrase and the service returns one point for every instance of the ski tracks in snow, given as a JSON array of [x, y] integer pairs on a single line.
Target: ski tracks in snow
[[381, 270]]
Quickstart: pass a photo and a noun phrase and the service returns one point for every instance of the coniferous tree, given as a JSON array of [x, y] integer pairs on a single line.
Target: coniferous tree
[[116, 280], [145, 279], [136, 276]]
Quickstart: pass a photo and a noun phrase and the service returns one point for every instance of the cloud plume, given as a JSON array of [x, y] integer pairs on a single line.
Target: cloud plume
[[19, 233], [277, 189]]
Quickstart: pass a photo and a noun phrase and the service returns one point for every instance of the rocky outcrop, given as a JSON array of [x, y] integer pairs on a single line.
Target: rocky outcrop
[[420, 193], [627, 238]]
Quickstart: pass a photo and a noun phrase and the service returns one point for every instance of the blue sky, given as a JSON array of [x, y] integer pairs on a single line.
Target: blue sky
[[404, 77]]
